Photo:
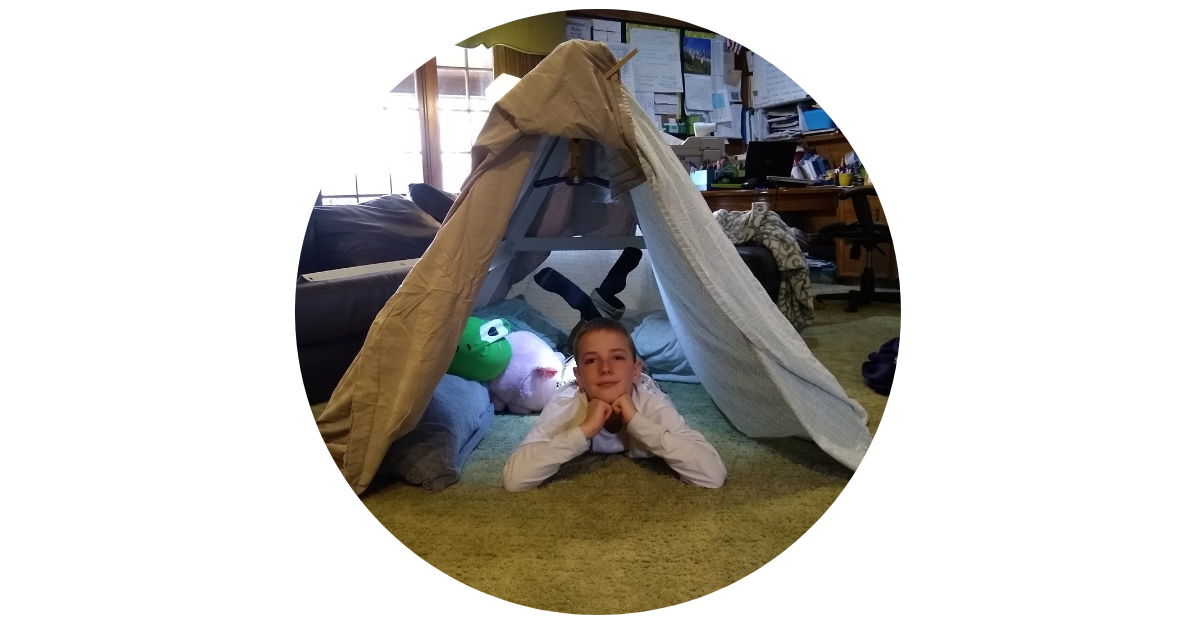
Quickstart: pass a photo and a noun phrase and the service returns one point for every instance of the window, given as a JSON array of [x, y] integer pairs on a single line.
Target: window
[[429, 122], [462, 108]]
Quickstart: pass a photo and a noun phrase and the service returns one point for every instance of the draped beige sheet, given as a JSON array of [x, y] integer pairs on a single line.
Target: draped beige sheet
[[411, 341]]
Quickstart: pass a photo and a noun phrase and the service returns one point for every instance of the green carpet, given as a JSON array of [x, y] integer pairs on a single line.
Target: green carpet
[[612, 535]]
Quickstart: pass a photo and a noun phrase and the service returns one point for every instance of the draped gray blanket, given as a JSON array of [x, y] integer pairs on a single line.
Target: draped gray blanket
[[764, 227]]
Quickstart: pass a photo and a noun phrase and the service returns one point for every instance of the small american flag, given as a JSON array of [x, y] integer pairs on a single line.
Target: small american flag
[[732, 46]]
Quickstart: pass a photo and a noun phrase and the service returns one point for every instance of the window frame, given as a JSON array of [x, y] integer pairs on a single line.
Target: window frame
[[425, 83], [431, 136]]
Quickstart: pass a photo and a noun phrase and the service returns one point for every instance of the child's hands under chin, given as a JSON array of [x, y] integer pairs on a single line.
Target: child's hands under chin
[[597, 413], [623, 406]]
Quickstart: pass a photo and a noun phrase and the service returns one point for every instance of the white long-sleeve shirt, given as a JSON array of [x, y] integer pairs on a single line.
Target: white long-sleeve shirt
[[656, 429]]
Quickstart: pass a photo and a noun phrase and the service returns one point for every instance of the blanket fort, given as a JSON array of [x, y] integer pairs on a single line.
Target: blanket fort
[[749, 358]]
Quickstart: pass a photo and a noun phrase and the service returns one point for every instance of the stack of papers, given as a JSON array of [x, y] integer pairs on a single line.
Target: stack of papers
[[783, 122]]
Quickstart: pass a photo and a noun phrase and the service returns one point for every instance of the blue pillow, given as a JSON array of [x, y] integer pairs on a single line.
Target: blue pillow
[[525, 317], [433, 454], [658, 347]]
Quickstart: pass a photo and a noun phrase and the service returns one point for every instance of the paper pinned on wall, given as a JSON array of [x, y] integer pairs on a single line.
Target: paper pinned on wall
[[628, 73], [698, 91], [720, 108], [606, 31], [729, 81], [733, 128], [733, 85], [718, 59], [579, 28], [666, 108], [772, 86], [659, 67], [719, 111], [666, 104], [759, 129], [646, 101]]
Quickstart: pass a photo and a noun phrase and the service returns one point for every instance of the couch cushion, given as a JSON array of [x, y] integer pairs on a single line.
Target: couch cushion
[[385, 229], [434, 201], [310, 262]]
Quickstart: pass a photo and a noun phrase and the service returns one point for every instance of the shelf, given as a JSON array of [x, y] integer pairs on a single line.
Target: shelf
[[832, 136], [787, 104], [728, 140]]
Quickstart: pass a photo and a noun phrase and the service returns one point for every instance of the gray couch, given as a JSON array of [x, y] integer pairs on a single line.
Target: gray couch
[[333, 315]]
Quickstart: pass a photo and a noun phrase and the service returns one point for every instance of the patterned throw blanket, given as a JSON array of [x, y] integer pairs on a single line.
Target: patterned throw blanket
[[764, 227]]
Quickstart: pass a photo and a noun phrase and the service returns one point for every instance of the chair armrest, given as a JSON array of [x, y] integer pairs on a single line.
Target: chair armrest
[[336, 309]]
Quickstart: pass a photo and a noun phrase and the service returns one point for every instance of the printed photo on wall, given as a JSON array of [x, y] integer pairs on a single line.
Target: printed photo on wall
[[697, 55]]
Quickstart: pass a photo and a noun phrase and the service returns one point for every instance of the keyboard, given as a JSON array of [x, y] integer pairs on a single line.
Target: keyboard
[[788, 182]]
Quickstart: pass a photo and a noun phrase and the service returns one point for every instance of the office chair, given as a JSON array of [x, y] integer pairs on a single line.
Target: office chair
[[863, 234], [763, 266]]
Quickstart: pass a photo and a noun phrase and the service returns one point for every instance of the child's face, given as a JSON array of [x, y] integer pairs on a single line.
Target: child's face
[[606, 368]]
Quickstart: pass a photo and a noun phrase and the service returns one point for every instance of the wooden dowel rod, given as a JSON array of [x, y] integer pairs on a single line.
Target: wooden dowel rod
[[623, 61]]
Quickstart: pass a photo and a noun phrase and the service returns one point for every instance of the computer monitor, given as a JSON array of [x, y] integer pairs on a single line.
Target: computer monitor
[[769, 159]]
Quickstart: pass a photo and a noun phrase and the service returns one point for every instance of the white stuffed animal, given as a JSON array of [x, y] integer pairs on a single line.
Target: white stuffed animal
[[531, 378]]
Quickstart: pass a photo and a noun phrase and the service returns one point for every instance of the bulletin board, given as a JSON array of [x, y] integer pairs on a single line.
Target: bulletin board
[[677, 72]]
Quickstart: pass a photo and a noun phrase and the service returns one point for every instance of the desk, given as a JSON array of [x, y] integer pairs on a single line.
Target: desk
[[808, 209]]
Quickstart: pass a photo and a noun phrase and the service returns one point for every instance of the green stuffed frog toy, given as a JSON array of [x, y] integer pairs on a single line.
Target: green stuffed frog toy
[[520, 370], [482, 352]]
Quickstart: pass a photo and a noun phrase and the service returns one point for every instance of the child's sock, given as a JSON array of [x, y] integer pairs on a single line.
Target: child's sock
[[555, 282], [614, 283], [608, 307]]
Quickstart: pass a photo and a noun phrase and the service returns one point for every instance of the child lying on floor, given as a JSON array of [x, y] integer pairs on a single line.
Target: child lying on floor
[[612, 408]]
